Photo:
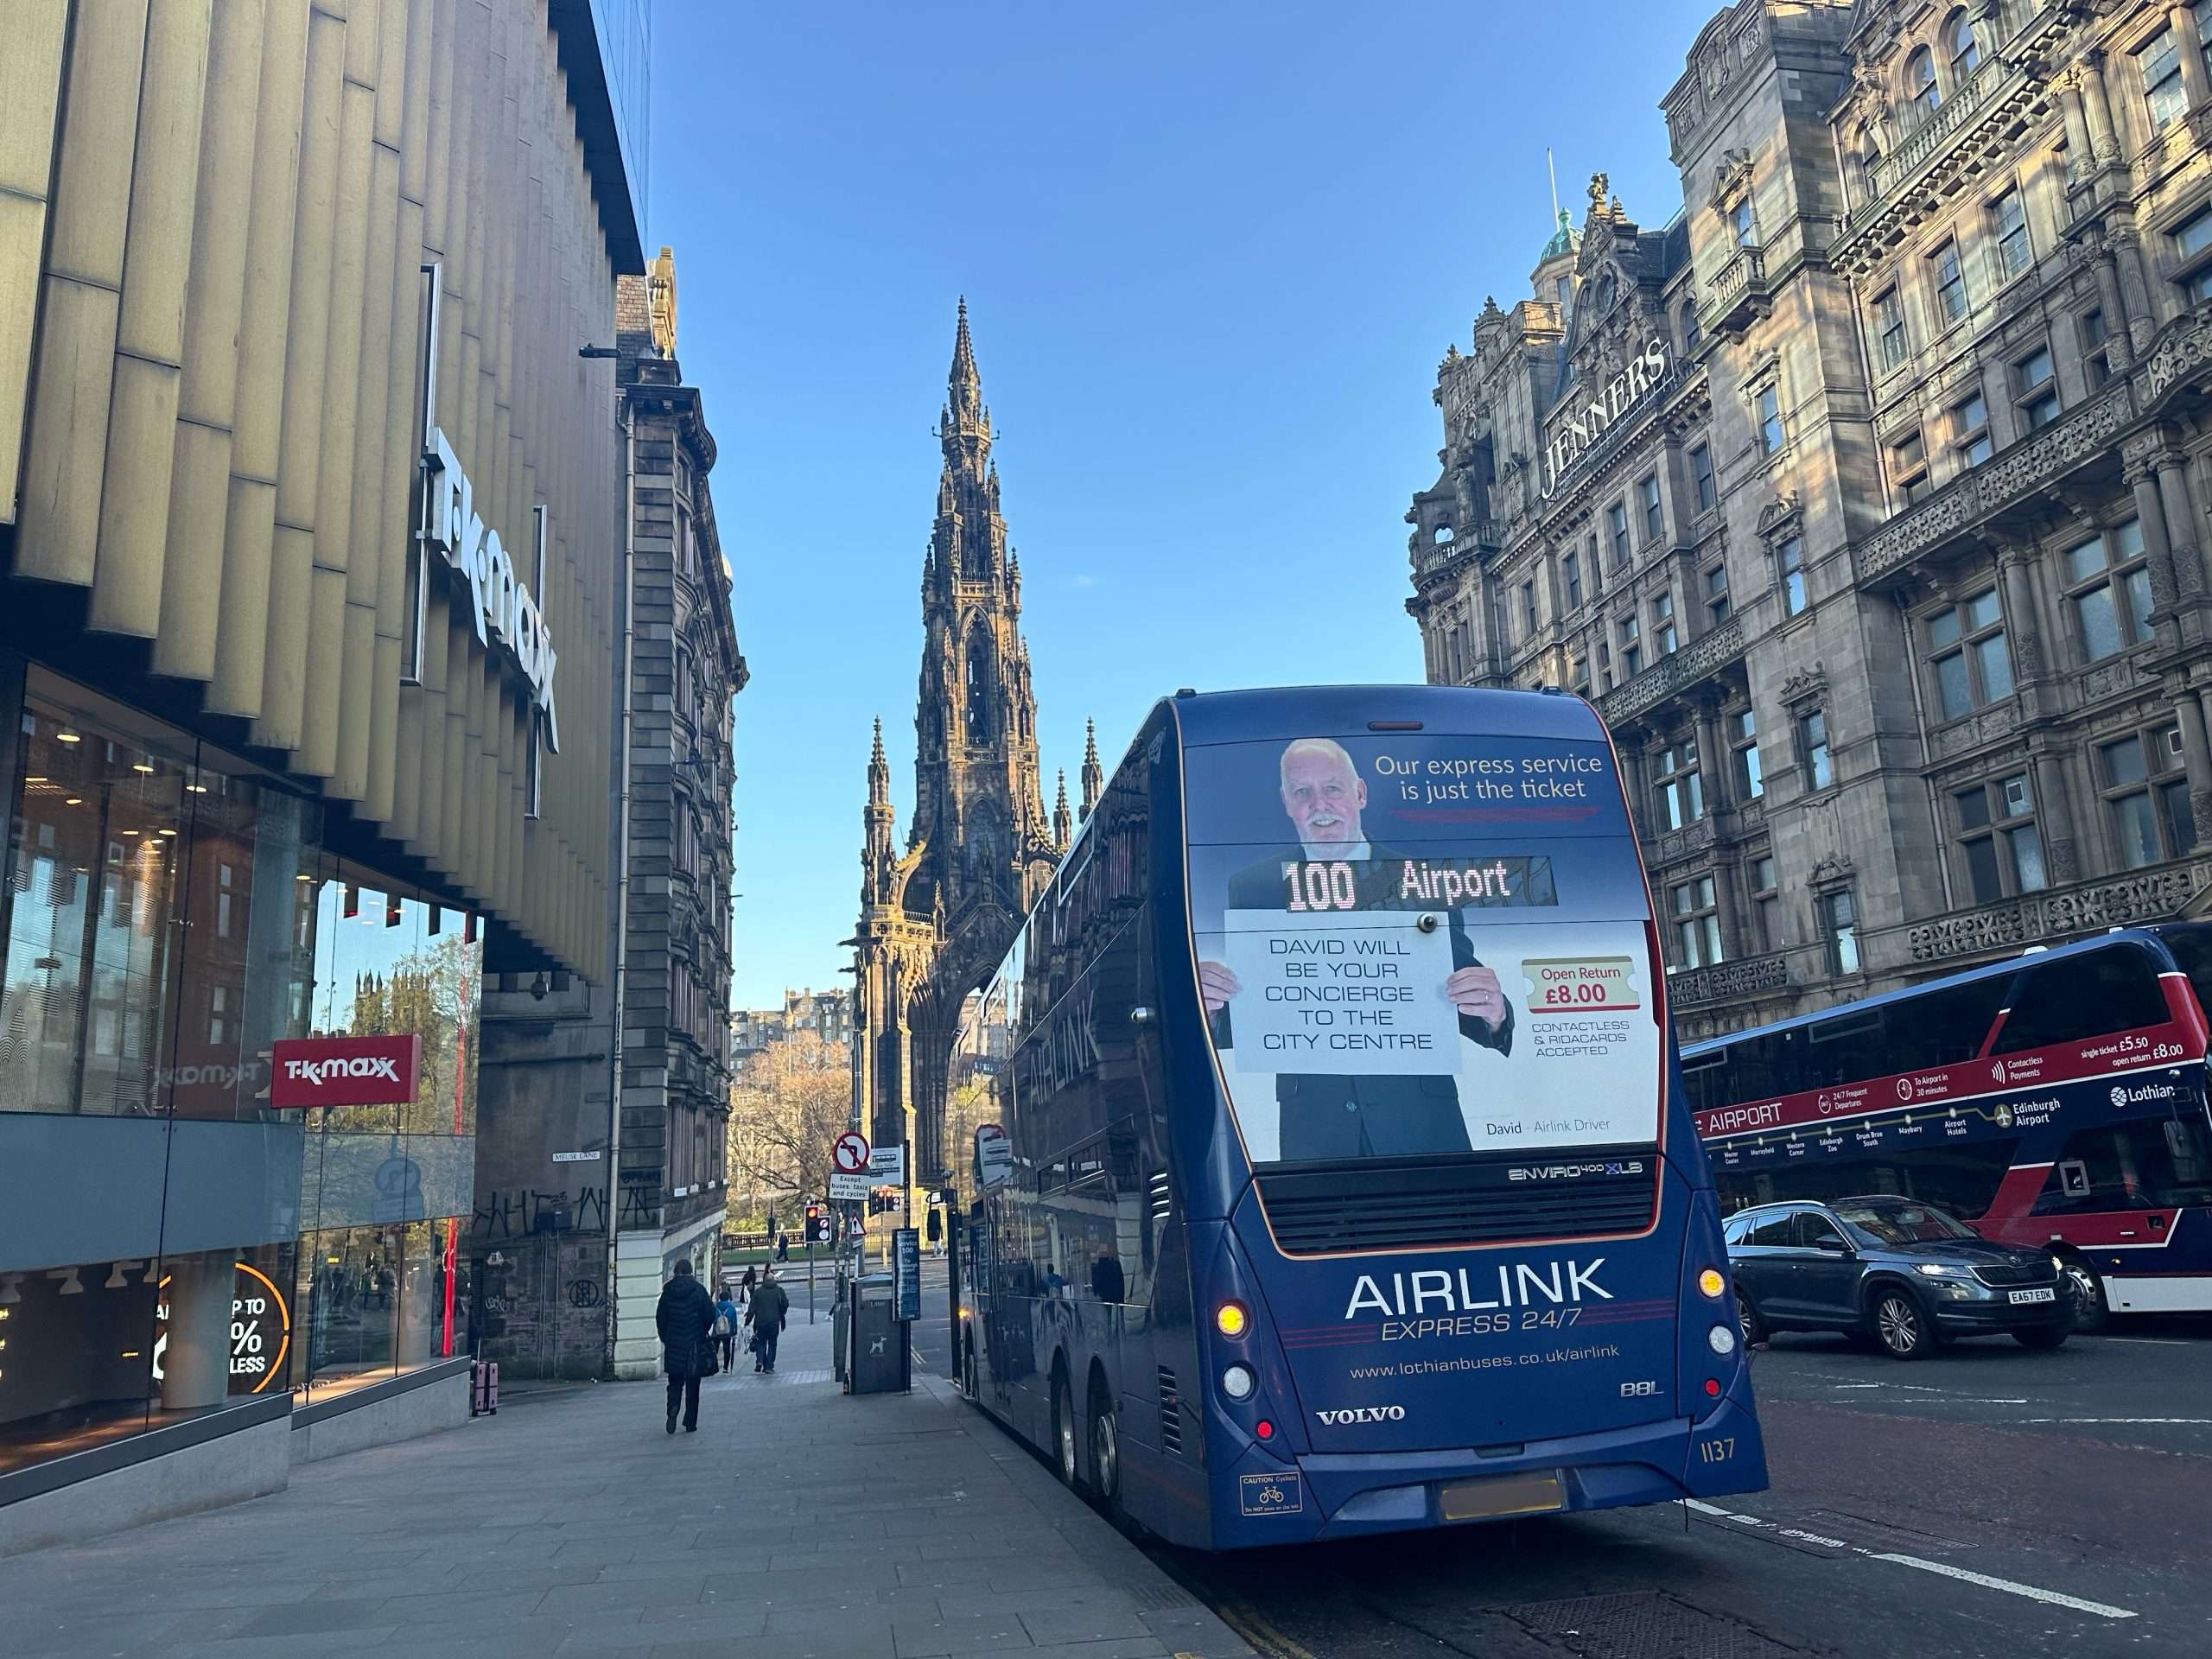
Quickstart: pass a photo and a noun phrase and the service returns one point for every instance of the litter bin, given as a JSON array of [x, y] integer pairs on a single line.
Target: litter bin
[[877, 1352]]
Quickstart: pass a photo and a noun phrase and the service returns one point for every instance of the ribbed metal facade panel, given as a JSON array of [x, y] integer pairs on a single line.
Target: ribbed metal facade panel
[[214, 219]]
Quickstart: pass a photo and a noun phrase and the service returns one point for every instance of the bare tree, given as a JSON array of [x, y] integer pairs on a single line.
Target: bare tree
[[786, 1110], [966, 1108]]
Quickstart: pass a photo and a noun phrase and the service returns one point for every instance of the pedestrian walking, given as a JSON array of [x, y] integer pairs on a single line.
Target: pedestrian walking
[[771, 1309], [726, 1329], [686, 1319], [783, 1247], [745, 1284]]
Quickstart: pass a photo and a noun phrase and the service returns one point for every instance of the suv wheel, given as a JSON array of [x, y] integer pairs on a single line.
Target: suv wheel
[[1748, 1321], [1900, 1326]]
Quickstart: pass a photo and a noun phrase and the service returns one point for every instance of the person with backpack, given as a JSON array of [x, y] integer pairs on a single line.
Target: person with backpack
[[726, 1329], [771, 1309], [745, 1284]]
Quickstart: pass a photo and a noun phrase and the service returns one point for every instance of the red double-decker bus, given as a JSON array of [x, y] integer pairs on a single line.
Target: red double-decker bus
[[2057, 1099]]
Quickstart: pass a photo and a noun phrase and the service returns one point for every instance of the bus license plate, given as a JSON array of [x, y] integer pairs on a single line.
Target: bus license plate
[[2034, 1295], [1487, 1500]]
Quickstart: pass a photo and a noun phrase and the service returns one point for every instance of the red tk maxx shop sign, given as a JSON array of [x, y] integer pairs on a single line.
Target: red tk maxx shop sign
[[344, 1070]]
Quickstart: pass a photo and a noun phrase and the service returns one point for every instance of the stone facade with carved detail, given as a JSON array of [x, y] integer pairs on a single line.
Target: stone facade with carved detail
[[1928, 446]]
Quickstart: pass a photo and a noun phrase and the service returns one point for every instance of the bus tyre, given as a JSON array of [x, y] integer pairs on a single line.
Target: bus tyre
[[1748, 1321], [1901, 1326], [1067, 1452], [1105, 1455], [2088, 1291]]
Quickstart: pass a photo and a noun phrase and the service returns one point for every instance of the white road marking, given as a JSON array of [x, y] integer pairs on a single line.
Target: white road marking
[[2204, 1420], [2153, 1342], [2052, 1597], [2009, 1586]]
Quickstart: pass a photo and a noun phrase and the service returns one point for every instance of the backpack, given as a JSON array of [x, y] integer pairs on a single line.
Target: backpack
[[725, 1325]]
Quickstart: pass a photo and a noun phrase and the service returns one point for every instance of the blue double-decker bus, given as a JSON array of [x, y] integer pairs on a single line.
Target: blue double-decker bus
[[1337, 1177]]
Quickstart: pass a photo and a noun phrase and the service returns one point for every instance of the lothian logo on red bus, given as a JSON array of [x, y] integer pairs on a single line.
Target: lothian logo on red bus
[[344, 1070]]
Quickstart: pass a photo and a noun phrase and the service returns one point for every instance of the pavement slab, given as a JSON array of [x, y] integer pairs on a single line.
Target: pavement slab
[[798, 1524]]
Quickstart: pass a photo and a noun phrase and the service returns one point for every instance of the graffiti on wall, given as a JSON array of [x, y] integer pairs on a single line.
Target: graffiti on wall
[[517, 1213]]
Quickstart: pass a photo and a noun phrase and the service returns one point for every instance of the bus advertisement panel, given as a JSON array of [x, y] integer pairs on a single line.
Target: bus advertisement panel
[[1425, 963]]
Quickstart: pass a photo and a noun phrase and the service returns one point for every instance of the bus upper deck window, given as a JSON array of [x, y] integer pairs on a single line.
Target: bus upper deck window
[[2079, 997]]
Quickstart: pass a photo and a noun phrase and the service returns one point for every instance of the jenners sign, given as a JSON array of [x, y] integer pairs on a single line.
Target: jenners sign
[[1578, 426], [501, 607]]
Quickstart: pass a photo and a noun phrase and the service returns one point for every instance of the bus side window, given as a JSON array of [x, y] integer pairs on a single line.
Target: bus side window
[[1707, 1078], [2150, 1164], [2078, 997], [1943, 1028]]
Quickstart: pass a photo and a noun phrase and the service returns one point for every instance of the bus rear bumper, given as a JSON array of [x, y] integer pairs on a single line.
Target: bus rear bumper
[[1348, 1496]]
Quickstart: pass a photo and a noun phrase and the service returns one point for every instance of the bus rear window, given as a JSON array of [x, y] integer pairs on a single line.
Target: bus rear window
[[1413, 945], [2076, 998]]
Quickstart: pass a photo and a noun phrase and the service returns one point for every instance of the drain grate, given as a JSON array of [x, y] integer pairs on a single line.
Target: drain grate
[[1158, 1598], [1646, 1624]]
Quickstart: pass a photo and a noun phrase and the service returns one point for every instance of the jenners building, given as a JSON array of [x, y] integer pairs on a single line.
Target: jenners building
[[308, 517]]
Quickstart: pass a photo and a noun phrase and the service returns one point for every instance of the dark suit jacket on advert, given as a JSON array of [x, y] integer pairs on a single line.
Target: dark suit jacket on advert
[[1335, 1116], [684, 1317]]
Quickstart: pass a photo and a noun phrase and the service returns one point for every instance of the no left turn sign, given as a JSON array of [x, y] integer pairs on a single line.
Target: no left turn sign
[[849, 1155]]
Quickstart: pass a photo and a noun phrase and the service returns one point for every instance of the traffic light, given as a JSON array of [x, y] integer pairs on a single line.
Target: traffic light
[[817, 1224]]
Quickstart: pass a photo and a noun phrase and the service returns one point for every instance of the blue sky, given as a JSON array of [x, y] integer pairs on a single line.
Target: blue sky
[[1212, 254]]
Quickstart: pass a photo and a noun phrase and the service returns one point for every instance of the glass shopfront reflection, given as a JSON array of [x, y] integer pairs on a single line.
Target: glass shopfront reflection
[[388, 1189], [168, 1242]]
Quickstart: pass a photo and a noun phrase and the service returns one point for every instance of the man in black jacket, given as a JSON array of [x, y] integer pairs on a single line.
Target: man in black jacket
[[686, 1319], [768, 1313], [1338, 1115]]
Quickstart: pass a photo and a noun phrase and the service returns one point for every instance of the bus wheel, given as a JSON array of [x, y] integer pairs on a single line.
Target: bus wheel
[[1900, 1326], [1106, 1456], [2090, 1312], [1067, 1450], [967, 1372]]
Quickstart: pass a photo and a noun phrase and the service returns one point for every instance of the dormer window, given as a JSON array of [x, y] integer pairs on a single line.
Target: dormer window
[[1607, 293]]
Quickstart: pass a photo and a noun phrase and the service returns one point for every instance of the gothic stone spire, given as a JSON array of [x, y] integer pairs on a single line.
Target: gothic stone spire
[[1094, 776], [1062, 826]]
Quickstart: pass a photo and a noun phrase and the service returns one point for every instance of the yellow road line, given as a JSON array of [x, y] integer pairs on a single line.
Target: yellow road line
[[1261, 1635]]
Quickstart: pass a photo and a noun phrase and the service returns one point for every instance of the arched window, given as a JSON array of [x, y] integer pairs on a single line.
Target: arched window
[[1867, 154], [1920, 89], [1443, 534], [1693, 336], [1602, 301], [1960, 46], [979, 690]]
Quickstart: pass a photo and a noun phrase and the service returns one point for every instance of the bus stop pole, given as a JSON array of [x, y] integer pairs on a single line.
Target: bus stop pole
[[810, 1278]]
